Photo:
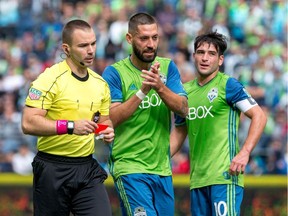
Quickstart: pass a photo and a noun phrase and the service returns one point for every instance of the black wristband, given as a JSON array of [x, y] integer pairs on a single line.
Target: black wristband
[[70, 127]]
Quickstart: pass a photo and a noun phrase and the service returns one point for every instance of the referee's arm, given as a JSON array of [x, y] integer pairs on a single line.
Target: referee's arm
[[34, 122]]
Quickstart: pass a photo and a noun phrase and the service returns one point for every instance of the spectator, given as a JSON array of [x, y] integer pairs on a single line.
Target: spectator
[[22, 159], [277, 163], [11, 135]]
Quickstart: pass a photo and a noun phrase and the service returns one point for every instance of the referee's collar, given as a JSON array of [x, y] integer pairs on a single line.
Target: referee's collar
[[80, 78]]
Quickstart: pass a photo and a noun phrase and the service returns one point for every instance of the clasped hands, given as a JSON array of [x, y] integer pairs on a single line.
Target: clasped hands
[[151, 79]]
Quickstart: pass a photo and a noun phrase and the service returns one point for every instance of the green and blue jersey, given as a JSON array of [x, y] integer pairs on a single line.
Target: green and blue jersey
[[212, 126], [141, 143]]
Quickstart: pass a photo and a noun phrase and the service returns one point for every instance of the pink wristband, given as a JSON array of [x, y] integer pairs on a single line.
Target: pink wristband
[[61, 127]]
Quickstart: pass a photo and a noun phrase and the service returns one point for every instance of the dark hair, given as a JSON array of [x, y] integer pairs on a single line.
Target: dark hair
[[217, 39], [140, 19], [70, 27]]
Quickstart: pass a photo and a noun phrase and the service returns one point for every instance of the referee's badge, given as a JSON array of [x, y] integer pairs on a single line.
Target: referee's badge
[[34, 94], [212, 94]]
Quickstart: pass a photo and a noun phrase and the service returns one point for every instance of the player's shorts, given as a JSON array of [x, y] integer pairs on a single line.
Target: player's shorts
[[216, 200], [145, 194]]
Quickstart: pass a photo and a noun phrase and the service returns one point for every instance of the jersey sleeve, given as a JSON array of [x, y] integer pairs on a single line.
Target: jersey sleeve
[[105, 107], [178, 120], [236, 95], [42, 91], [174, 81], [112, 77]]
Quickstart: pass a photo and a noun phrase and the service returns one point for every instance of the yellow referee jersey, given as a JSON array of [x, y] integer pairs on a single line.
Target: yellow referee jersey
[[67, 97]]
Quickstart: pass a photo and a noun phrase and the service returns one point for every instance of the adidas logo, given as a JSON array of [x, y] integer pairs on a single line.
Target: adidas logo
[[133, 87]]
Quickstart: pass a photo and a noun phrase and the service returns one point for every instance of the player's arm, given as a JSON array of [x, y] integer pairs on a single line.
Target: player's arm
[[239, 98], [121, 111], [257, 125], [176, 103], [105, 120], [177, 138]]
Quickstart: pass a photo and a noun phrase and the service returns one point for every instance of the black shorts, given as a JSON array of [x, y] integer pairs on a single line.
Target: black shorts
[[64, 184]]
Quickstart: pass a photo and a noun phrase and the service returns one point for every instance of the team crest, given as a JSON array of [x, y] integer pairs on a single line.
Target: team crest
[[163, 78], [212, 94], [140, 211], [34, 94]]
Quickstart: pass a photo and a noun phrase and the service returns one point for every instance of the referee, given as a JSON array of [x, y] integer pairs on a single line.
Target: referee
[[59, 109]]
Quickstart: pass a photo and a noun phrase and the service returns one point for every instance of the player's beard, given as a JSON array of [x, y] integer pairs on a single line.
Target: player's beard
[[141, 57]]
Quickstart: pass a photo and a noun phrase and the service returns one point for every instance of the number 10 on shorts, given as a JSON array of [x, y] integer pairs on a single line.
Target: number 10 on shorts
[[220, 208]]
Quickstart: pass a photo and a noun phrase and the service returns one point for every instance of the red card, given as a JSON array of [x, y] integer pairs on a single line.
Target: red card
[[101, 127]]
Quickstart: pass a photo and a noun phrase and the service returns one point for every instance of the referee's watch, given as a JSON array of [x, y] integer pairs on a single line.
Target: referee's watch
[[70, 127]]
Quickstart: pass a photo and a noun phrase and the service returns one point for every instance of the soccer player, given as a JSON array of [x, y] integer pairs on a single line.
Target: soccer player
[[145, 88], [215, 103], [59, 110]]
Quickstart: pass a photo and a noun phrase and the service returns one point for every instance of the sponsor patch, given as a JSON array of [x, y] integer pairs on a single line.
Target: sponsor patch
[[212, 94], [34, 94]]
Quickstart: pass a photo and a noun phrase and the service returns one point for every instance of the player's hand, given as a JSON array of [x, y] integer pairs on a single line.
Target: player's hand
[[145, 88], [239, 163], [152, 77]]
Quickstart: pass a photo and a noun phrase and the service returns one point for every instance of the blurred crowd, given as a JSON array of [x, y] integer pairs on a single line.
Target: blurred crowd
[[30, 41]]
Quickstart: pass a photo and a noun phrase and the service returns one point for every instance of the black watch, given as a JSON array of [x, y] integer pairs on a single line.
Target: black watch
[[70, 127]]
